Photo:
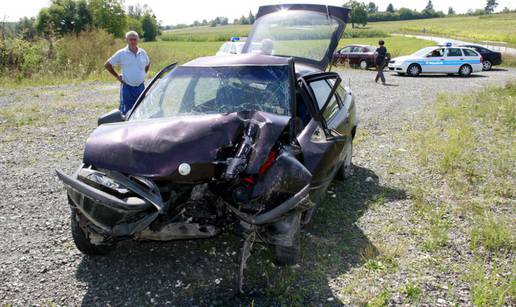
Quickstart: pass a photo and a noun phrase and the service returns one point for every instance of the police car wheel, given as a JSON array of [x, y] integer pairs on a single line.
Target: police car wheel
[[414, 70], [487, 65], [363, 65], [465, 70]]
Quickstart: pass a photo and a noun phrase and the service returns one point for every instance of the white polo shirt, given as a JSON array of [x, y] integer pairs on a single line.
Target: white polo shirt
[[133, 65]]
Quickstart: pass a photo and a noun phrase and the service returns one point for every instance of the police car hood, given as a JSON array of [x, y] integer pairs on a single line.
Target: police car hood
[[403, 58]]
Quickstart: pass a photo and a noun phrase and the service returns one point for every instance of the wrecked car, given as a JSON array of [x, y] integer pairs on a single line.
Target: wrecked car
[[247, 143]]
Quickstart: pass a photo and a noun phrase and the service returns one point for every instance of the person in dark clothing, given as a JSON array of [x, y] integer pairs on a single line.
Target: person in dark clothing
[[381, 53]]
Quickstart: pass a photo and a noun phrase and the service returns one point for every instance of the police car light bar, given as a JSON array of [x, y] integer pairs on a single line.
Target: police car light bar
[[234, 39], [447, 44]]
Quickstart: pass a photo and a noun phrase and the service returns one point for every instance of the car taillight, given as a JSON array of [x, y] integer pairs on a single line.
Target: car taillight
[[481, 59]]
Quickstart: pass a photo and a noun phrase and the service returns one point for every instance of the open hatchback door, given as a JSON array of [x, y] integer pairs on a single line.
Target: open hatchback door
[[307, 32]]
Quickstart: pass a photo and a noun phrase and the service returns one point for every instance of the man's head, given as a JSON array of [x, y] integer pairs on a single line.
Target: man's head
[[381, 42], [132, 38], [267, 46]]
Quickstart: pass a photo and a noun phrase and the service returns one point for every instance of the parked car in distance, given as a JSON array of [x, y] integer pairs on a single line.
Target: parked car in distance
[[490, 58], [362, 56], [234, 46], [438, 59]]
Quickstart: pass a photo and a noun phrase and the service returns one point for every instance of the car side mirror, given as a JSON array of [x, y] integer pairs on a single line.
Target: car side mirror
[[114, 116]]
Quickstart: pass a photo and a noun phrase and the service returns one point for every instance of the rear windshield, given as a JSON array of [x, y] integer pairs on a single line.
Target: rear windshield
[[469, 52], [211, 90], [302, 34]]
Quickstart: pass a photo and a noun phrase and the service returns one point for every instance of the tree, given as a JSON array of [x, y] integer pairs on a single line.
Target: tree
[[429, 9], [84, 19], [451, 11], [372, 8], [26, 28], [490, 6], [150, 27], [390, 8], [109, 15], [251, 18], [358, 14]]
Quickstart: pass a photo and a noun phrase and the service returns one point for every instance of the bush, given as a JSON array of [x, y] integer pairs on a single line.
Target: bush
[[85, 53], [22, 57]]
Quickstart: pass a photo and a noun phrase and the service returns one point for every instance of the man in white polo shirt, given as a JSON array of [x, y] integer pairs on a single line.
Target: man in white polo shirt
[[135, 64]]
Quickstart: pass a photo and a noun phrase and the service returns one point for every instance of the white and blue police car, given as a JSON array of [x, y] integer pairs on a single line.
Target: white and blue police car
[[234, 46], [446, 59]]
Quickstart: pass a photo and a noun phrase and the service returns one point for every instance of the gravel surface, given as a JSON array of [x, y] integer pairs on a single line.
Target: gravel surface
[[39, 263]]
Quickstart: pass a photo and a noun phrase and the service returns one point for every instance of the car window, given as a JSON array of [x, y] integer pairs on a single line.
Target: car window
[[357, 49], [436, 53], [346, 49], [322, 89], [469, 52], [454, 52], [233, 49]]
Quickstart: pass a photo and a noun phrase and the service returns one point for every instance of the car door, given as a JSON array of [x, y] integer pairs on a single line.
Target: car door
[[323, 140], [344, 53], [434, 61], [454, 59]]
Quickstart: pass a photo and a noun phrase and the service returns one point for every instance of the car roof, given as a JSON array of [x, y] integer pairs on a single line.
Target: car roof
[[246, 59]]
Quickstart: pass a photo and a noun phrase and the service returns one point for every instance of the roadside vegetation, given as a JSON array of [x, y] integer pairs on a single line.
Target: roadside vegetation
[[466, 143]]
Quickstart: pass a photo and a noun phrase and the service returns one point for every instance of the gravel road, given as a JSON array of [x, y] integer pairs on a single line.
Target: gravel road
[[39, 264]]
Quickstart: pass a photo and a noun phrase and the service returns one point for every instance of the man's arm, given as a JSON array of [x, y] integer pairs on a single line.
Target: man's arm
[[112, 70]]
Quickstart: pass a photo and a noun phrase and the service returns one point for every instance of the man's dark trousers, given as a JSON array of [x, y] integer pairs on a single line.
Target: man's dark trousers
[[128, 96]]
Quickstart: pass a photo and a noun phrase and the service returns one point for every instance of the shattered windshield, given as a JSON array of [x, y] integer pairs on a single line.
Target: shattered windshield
[[301, 34], [212, 90]]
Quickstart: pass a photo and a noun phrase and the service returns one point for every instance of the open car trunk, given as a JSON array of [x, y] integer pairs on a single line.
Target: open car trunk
[[309, 33]]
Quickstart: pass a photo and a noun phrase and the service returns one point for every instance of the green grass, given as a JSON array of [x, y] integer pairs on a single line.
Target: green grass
[[467, 141], [497, 27]]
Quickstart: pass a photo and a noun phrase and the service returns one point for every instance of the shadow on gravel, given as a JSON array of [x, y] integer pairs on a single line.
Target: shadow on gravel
[[205, 272]]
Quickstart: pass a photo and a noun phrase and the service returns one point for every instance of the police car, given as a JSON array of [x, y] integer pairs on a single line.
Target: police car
[[234, 46], [447, 59]]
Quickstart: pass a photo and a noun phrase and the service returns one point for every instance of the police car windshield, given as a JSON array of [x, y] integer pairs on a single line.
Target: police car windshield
[[213, 90], [424, 51]]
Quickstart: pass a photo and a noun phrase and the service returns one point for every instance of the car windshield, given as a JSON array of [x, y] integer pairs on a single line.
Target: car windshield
[[424, 51], [212, 90], [302, 34]]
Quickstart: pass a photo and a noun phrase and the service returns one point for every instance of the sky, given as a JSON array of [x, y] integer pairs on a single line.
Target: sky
[[174, 12]]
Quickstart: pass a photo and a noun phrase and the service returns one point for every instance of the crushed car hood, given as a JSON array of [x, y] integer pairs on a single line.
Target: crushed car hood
[[155, 148]]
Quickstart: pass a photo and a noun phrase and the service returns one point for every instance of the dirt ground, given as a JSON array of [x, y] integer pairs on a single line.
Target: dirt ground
[[44, 128]]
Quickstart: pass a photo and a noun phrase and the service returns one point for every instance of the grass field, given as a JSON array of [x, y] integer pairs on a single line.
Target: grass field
[[498, 27]]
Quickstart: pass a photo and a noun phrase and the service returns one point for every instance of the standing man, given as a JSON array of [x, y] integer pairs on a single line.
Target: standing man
[[135, 64], [381, 53]]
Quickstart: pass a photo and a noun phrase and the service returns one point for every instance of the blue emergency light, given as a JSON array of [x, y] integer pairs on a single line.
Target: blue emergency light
[[234, 39]]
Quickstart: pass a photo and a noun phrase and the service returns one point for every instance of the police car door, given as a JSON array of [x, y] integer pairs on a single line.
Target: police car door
[[453, 60], [434, 61]]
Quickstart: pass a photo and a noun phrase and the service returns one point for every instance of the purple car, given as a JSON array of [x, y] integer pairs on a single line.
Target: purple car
[[246, 142]]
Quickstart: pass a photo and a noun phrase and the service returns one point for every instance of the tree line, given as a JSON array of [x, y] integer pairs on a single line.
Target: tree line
[[65, 17]]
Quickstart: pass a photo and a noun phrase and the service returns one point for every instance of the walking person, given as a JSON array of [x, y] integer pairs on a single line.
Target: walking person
[[381, 53], [134, 64]]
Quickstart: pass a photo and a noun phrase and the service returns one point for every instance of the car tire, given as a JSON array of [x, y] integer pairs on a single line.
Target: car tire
[[465, 70], [288, 255], [83, 243], [363, 65], [414, 70], [487, 65]]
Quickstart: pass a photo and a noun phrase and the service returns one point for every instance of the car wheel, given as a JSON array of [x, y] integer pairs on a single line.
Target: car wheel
[[363, 65], [288, 255], [487, 65], [465, 70], [414, 70], [83, 243]]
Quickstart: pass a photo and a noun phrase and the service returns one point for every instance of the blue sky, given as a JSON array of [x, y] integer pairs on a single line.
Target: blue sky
[[173, 12]]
